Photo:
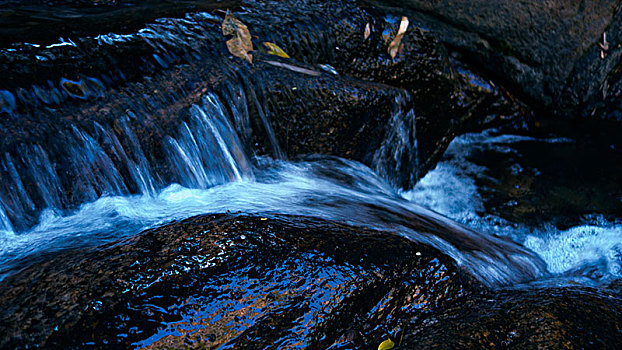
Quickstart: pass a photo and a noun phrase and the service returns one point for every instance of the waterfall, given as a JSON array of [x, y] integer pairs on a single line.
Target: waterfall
[[5, 224], [396, 158], [207, 151], [109, 160]]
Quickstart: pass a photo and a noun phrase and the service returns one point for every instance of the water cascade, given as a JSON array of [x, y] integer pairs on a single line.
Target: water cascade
[[211, 171], [109, 160], [316, 174]]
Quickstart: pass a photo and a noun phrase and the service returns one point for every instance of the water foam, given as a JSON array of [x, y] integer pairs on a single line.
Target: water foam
[[329, 188], [593, 249]]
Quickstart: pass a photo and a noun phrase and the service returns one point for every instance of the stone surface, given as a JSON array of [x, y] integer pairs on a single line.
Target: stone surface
[[547, 52], [233, 280], [228, 280]]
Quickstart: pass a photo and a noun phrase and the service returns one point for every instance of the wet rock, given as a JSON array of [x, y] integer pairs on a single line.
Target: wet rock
[[255, 281], [543, 51], [448, 98], [530, 318], [229, 280], [380, 111]]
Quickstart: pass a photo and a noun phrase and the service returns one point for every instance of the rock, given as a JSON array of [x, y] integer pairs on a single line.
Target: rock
[[87, 93], [543, 51], [529, 318], [229, 280], [256, 281], [448, 98]]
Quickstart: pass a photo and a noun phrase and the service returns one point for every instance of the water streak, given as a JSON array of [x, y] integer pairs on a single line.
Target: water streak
[[329, 188], [109, 160], [396, 158]]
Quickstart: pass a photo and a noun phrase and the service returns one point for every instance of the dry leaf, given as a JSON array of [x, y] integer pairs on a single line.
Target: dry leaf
[[274, 49], [240, 45], [395, 47], [367, 32]]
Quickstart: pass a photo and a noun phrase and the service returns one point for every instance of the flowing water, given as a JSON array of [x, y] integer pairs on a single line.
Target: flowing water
[[98, 182], [215, 174], [559, 197]]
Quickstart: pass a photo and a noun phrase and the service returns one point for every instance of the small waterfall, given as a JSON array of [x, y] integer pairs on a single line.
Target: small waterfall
[[98, 175], [139, 168], [5, 224], [264, 117], [86, 163], [207, 151], [396, 158]]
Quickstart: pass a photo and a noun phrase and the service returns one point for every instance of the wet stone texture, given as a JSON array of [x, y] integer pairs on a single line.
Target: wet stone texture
[[227, 280], [230, 280], [394, 114]]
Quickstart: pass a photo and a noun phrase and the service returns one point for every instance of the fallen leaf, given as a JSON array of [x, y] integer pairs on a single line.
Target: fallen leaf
[[394, 46], [386, 345], [240, 45], [274, 49], [367, 32]]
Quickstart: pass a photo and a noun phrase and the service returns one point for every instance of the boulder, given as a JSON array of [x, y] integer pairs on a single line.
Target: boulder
[[247, 281], [229, 280], [120, 98], [561, 57]]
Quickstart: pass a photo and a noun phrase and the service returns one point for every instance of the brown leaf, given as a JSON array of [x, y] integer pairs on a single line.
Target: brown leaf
[[394, 46], [240, 45]]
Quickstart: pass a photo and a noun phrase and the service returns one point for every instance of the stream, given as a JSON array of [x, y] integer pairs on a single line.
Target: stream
[[469, 186], [317, 174]]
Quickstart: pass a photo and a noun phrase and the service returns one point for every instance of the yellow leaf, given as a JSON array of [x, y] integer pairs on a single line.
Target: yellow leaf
[[240, 45], [274, 49], [394, 46], [386, 345]]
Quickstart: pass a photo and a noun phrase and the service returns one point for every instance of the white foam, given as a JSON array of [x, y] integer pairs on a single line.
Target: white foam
[[450, 189], [580, 247], [334, 189]]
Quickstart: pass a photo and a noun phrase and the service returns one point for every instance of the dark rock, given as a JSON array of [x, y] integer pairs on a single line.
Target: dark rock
[[250, 281], [543, 318], [448, 98], [547, 52], [243, 281], [396, 115], [540, 179]]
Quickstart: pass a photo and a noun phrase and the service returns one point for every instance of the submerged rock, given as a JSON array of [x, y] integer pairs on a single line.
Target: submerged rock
[[530, 318]]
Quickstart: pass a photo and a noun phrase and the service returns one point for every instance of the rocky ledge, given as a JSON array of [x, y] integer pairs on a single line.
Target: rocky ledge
[[227, 280]]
